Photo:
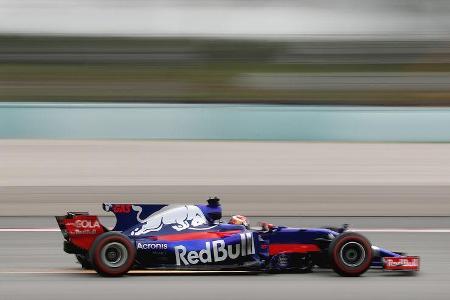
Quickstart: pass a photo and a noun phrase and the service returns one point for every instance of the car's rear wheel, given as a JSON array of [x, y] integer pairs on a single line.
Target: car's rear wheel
[[350, 254], [112, 254]]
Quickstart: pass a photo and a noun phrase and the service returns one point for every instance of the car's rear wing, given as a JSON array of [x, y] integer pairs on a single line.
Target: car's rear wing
[[79, 229]]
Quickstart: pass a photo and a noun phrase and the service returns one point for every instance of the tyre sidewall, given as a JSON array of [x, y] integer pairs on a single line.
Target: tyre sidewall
[[100, 242]]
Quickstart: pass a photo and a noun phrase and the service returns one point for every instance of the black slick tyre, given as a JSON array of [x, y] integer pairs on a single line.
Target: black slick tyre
[[350, 254], [112, 254]]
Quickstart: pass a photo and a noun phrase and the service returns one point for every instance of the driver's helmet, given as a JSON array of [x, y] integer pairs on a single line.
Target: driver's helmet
[[238, 220]]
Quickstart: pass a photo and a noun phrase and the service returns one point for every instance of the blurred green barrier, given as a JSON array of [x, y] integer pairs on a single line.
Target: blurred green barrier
[[207, 70]]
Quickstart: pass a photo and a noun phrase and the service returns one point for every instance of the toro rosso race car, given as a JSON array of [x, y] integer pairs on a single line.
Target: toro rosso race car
[[150, 236]]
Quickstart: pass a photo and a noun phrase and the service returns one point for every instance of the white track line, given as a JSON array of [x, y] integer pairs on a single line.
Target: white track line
[[130, 272], [376, 230], [45, 272]]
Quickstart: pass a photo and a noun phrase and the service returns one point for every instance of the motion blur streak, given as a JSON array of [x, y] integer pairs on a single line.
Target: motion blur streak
[[350, 70], [223, 122], [226, 17], [41, 177], [361, 52]]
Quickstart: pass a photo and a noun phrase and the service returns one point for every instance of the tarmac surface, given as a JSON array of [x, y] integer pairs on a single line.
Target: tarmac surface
[[33, 265]]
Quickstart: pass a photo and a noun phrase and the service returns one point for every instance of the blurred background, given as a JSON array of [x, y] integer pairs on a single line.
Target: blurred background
[[178, 100], [303, 112], [364, 52], [281, 107]]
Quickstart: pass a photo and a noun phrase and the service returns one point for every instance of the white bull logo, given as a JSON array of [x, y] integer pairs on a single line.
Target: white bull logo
[[179, 217]]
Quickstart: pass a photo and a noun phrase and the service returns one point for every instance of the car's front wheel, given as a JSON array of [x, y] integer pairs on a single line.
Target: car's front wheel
[[350, 254], [112, 254]]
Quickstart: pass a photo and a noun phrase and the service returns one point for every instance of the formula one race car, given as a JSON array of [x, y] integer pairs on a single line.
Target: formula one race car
[[149, 236]]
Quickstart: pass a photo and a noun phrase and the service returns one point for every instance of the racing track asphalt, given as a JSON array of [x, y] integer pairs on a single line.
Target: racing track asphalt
[[33, 266]]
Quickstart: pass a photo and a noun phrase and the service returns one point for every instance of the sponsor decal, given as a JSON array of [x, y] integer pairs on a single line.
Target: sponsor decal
[[283, 260], [151, 246], [407, 263], [87, 224], [178, 217], [118, 208], [216, 251], [121, 208]]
